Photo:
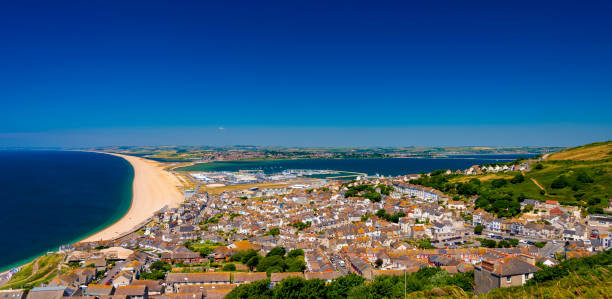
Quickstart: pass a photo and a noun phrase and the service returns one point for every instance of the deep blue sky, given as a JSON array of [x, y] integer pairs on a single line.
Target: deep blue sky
[[305, 72]]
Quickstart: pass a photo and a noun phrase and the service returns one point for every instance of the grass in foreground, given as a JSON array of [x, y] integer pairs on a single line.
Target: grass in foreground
[[594, 283]]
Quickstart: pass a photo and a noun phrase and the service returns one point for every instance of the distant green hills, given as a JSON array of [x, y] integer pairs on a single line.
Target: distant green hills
[[189, 153]]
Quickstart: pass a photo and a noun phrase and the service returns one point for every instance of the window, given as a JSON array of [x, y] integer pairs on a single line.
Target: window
[[508, 279]]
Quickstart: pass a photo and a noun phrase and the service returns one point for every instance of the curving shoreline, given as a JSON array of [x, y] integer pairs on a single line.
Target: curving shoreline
[[153, 188]]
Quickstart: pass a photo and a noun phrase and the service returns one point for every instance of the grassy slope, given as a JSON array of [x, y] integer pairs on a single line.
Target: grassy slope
[[589, 152], [583, 159], [27, 278], [590, 278], [592, 284], [595, 284]]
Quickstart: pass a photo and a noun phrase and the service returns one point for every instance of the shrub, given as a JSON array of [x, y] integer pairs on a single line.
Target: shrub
[[498, 183], [229, 267], [559, 183]]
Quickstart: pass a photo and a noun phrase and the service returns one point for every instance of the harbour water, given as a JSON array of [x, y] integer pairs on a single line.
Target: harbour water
[[386, 167]]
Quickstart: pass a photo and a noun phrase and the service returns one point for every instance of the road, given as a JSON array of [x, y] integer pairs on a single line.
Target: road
[[519, 237], [110, 274], [538, 184], [197, 183]]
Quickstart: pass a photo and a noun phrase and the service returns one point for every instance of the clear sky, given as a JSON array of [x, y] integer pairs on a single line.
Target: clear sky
[[313, 73]]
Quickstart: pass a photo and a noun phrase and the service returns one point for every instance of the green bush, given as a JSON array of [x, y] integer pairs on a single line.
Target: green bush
[[229, 267], [559, 183], [354, 286], [519, 178]]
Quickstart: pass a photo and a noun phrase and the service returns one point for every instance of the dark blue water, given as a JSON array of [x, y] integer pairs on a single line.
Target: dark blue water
[[387, 167], [50, 198]]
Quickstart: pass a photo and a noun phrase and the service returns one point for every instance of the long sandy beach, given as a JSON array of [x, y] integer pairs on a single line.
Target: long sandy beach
[[153, 188]]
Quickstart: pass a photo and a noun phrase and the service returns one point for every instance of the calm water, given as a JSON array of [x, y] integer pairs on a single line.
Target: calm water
[[387, 167], [50, 198]]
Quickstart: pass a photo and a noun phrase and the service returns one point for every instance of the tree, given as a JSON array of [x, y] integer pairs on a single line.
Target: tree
[[538, 166], [301, 225], [373, 196], [273, 263], [478, 229], [503, 244], [488, 243], [354, 286], [391, 218], [467, 189], [296, 265], [157, 270], [280, 251], [498, 183], [340, 286], [253, 262], [295, 253], [243, 256], [559, 183], [593, 201], [519, 178], [379, 263], [273, 232], [257, 289], [425, 244], [475, 181], [584, 177], [297, 287], [205, 251], [160, 266], [229, 267], [386, 287]]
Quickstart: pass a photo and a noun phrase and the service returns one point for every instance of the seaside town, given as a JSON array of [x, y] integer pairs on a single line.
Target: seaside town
[[369, 226]]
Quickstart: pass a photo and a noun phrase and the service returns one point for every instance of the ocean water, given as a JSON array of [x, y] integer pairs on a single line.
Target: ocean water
[[51, 198], [386, 167]]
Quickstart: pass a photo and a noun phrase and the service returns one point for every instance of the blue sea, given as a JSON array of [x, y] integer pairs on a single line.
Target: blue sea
[[386, 167], [51, 198]]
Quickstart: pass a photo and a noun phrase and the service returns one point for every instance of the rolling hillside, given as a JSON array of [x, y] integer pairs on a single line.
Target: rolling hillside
[[580, 176], [590, 152]]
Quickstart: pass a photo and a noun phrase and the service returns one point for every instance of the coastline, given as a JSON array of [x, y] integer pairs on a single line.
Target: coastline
[[122, 211], [152, 189]]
